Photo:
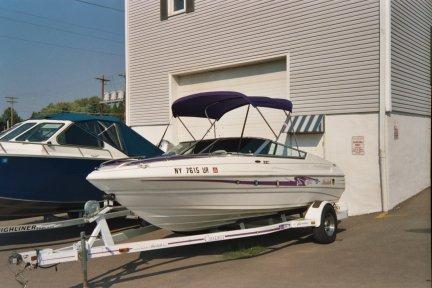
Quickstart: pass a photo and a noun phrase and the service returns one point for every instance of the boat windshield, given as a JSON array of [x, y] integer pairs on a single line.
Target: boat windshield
[[256, 146], [4, 132], [16, 131], [105, 131], [275, 149], [40, 132], [233, 145]]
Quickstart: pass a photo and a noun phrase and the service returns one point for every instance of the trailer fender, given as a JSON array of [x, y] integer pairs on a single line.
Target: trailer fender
[[314, 212]]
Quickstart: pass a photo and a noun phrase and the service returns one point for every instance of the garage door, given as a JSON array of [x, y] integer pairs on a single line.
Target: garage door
[[262, 79]]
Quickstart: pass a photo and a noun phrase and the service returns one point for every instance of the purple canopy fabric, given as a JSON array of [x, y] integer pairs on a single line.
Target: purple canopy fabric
[[215, 104]]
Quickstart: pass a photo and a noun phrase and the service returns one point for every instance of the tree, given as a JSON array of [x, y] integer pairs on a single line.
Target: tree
[[89, 105], [5, 118]]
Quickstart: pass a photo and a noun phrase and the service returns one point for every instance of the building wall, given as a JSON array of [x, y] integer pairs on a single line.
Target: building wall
[[333, 68], [409, 156], [408, 133], [363, 192], [410, 56], [333, 48], [362, 179]]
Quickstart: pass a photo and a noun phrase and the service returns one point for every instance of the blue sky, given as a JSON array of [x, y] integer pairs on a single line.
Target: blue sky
[[39, 74]]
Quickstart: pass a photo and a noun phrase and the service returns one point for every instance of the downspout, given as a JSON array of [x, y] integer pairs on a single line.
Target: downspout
[[127, 63], [384, 98]]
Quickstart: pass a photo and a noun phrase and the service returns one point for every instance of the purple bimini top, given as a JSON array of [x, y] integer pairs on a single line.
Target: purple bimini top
[[214, 105]]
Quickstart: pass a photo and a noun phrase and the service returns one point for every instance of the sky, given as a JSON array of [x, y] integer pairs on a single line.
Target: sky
[[51, 50]]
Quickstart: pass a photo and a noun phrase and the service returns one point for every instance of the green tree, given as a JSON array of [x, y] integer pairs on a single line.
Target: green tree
[[5, 118], [89, 105]]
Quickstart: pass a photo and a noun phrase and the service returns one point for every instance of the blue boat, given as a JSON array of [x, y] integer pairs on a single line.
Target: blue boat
[[44, 162]]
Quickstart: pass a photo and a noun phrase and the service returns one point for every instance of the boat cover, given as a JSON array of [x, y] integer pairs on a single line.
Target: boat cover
[[133, 143], [215, 104]]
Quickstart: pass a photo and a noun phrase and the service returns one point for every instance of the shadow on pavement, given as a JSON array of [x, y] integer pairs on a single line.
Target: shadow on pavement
[[419, 230], [272, 243]]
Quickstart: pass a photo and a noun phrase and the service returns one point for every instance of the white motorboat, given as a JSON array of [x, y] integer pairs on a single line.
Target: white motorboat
[[211, 183]]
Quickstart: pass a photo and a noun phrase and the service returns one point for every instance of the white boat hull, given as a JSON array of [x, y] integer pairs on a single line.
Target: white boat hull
[[176, 195]]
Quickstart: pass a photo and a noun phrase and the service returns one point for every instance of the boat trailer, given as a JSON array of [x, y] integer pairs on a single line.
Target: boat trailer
[[101, 243]]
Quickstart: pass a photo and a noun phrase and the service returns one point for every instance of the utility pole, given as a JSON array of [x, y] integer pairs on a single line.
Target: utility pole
[[102, 80], [123, 75], [11, 100], [124, 91]]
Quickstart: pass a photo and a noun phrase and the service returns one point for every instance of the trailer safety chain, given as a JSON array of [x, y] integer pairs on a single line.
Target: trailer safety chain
[[15, 258], [20, 278]]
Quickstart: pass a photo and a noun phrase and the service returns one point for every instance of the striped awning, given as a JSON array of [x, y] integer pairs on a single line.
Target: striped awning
[[303, 124]]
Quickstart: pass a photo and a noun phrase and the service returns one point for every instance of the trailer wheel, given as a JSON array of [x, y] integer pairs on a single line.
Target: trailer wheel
[[326, 232]]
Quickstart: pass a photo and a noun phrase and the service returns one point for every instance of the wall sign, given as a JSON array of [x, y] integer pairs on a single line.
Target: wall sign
[[357, 145]]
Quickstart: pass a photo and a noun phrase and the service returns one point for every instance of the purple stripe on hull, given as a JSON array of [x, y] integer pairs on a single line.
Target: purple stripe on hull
[[298, 181]]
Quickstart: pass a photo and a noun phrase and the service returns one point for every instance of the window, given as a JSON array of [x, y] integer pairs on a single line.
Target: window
[[193, 147], [170, 8], [110, 134], [76, 136], [4, 132], [224, 145], [40, 132], [231, 145], [176, 7], [16, 131], [105, 131]]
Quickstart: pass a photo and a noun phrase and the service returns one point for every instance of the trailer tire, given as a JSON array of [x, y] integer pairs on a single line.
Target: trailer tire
[[326, 232]]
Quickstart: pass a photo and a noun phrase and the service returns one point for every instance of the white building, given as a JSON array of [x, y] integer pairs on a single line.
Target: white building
[[363, 65]]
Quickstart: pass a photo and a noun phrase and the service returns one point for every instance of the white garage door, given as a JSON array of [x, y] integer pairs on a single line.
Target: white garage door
[[263, 79]]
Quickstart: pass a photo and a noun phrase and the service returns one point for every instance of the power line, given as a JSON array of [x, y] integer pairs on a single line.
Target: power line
[[61, 30], [61, 46], [59, 21], [63, 87], [100, 6]]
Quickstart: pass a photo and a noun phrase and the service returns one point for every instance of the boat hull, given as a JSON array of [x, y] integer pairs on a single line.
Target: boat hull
[[190, 205], [33, 186], [16, 208], [191, 201]]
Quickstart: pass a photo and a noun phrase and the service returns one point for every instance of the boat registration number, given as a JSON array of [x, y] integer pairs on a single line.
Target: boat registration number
[[195, 170]]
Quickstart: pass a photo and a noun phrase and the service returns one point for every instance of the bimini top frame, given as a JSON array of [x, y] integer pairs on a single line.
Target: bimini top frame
[[213, 105]]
